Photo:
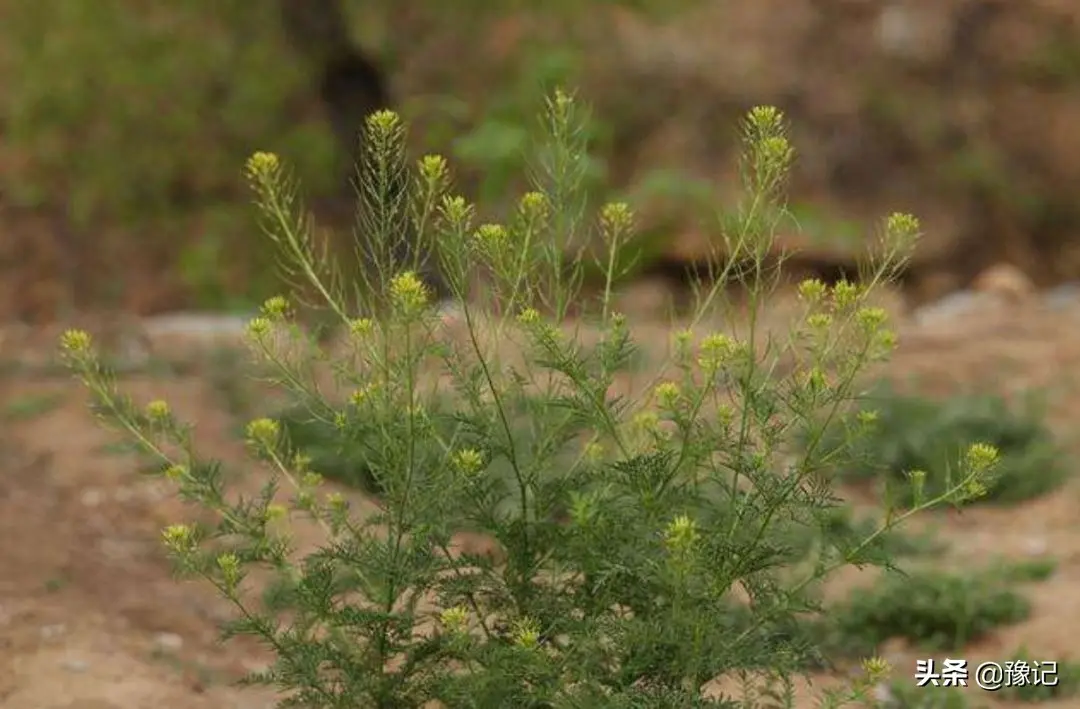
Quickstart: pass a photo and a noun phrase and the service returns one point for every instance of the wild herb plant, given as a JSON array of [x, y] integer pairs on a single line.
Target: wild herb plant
[[638, 534]]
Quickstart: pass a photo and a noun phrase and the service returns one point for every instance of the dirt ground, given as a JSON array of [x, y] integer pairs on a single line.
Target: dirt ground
[[91, 618]]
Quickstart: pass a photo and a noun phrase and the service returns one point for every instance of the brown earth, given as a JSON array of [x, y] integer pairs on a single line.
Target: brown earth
[[90, 617]]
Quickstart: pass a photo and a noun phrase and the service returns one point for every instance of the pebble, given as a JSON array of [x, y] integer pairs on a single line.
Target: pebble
[[953, 306], [92, 497], [1006, 281], [50, 632], [1066, 295], [75, 665], [168, 642]]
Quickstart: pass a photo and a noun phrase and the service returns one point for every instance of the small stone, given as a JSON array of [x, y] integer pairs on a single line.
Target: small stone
[[168, 642], [92, 497], [1036, 546], [75, 665], [951, 307], [1006, 281], [50, 632], [1066, 295]]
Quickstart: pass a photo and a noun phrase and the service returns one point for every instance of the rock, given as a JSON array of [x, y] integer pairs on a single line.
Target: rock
[[1066, 295], [75, 665], [1036, 546], [92, 497], [1006, 281], [50, 632], [168, 642], [952, 307]]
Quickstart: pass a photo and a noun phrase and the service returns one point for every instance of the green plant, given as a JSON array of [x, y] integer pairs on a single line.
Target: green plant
[[938, 610], [914, 433], [134, 116], [642, 537]]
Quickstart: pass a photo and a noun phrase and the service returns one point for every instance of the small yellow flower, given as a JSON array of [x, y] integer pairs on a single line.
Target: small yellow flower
[[776, 152], [812, 290], [336, 501], [454, 619], [867, 417], [229, 564], [276, 511], [681, 534], [179, 538], [361, 395], [981, 457], [594, 452], [716, 351], [819, 322], [361, 327], [667, 393], [885, 340], [468, 461], [157, 410], [871, 319], [526, 634], [409, 292], [901, 227], [845, 294], [433, 168], [528, 316], [533, 205], [262, 165], [275, 308], [876, 669], [263, 433], [767, 120], [311, 480], [258, 328], [491, 236], [616, 218], [974, 489], [456, 211], [76, 342], [176, 472], [383, 123], [562, 102]]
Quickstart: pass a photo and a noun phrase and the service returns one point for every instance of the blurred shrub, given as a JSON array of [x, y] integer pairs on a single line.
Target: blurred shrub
[[914, 433], [135, 114]]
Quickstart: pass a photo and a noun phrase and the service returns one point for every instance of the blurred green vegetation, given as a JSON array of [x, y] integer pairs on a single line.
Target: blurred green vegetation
[[133, 119]]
